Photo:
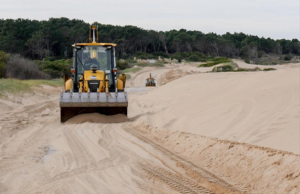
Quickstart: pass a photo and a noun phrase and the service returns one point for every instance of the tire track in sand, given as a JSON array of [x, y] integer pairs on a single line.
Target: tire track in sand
[[195, 174]]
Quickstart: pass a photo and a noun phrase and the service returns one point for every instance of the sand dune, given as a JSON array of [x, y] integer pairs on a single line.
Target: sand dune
[[260, 108], [196, 132]]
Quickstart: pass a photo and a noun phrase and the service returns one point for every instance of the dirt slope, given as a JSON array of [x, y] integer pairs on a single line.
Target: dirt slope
[[180, 137]]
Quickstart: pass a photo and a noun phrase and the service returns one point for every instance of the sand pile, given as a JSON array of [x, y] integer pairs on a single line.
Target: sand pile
[[173, 75], [97, 118]]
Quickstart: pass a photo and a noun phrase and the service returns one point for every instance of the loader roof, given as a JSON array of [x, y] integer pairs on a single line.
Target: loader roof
[[95, 44]]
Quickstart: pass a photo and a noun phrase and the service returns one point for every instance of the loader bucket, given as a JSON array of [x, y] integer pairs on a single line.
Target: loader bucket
[[72, 104]]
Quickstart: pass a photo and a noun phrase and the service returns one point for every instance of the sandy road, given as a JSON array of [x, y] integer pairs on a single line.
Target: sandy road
[[44, 156], [38, 154]]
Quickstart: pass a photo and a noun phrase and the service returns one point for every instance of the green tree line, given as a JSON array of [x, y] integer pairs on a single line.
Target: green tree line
[[54, 37]]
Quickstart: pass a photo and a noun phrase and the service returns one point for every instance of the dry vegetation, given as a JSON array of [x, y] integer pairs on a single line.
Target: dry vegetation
[[18, 86]]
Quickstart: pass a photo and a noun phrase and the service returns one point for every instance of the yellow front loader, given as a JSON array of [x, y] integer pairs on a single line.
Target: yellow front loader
[[94, 85], [150, 82]]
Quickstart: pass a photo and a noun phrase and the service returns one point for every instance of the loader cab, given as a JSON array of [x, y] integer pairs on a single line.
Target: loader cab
[[99, 56], [150, 81]]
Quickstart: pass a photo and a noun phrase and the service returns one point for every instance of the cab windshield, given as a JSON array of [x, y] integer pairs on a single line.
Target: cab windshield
[[99, 56], [152, 80]]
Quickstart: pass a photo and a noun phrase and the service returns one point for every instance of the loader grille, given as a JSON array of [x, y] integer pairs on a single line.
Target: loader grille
[[93, 85]]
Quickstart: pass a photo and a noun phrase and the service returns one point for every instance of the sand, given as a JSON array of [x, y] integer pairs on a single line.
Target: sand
[[195, 132], [260, 108], [97, 118]]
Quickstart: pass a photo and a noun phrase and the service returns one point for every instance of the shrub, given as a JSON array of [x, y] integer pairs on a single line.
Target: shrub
[[161, 54], [131, 61], [121, 64], [267, 63], [247, 60], [223, 68], [241, 69], [49, 58], [56, 69], [257, 69], [131, 70], [141, 55], [128, 76], [156, 64], [233, 67], [2, 69], [196, 57], [269, 69], [217, 59], [227, 68], [214, 63], [4, 57], [288, 57], [21, 68], [189, 56], [176, 56]]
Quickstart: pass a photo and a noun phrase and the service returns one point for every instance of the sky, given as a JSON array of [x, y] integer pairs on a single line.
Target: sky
[[276, 19]]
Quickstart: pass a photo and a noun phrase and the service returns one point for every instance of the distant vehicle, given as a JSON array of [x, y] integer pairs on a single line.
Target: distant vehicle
[[150, 82]]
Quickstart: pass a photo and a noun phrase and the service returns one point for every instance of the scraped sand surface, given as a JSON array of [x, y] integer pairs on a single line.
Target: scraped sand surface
[[196, 132], [97, 118]]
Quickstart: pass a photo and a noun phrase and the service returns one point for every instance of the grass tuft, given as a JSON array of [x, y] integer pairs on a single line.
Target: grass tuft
[[131, 70], [19, 86], [215, 62], [269, 69], [231, 68], [128, 76], [156, 64]]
